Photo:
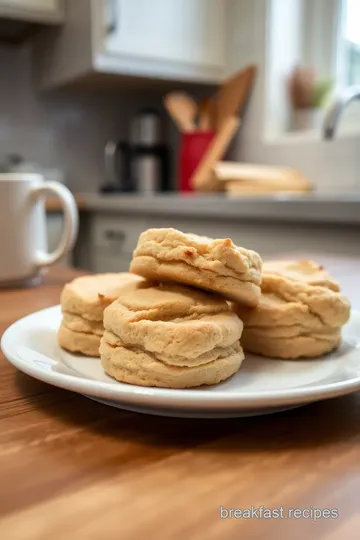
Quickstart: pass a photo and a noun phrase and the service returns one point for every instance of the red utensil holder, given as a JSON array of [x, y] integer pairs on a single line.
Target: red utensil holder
[[192, 149]]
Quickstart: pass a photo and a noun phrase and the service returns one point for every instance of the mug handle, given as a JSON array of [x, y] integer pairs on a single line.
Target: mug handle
[[71, 221]]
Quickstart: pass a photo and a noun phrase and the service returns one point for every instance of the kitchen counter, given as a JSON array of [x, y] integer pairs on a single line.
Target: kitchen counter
[[53, 204], [72, 468], [110, 225], [305, 208]]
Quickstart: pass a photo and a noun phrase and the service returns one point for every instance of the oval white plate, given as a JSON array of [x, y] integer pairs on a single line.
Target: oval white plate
[[261, 386]]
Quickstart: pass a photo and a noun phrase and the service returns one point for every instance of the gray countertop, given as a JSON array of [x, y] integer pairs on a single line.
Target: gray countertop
[[314, 208]]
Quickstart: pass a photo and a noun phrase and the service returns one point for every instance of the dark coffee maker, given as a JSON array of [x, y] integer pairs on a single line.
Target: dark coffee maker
[[142, 164]]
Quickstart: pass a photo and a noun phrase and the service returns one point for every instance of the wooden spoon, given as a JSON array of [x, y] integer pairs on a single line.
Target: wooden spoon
[[183, 110], [203, 179], [204, 115], [233, 94]]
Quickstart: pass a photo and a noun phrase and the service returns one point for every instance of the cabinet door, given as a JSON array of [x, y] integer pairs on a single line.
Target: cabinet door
[[102, 262], [28, 5], [178, 31], [117, 235], [112, 241]]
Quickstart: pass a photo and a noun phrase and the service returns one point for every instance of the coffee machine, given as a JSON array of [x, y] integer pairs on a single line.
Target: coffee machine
[[141, 164]]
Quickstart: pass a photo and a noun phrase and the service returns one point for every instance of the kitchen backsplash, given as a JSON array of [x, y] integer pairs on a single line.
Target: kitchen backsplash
[[63, 130], [68, 130]]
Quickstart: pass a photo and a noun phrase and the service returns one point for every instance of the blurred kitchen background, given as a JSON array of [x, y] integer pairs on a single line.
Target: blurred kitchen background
[[235, 118]]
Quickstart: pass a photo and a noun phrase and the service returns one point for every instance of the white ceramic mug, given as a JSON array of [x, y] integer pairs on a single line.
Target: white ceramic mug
[[23, 241]]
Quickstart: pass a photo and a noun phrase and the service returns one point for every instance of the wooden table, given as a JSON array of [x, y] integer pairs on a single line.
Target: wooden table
[[73, 469]]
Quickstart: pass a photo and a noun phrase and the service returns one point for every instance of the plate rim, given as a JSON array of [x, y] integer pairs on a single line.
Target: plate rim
[[166, 397]]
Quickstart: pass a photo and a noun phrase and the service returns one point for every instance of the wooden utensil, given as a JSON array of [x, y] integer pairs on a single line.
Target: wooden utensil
[[182, 109], [204, 114], [213, 112], [233, 94], [203, 179]]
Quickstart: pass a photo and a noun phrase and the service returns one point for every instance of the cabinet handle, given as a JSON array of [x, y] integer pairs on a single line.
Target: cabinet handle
[[111, 16], [115, 236]]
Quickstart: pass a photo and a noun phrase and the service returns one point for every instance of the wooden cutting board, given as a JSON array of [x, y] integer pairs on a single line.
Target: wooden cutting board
[[247, 177], [252, 191]]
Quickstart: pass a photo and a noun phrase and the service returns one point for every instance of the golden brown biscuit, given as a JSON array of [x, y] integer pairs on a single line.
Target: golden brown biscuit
[[176, 359], [300, 346], [215, 265], [172, 320], [76, 323], [304, 270], [136, 366], [88, 296], [78, 342], [170, 336], [286, 302], [294, 319], [83, 302]]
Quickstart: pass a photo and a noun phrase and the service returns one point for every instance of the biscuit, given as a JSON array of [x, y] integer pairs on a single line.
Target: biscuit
[[214, 265], [76, 323], [78, 342], [134, 366], [285, 302], [301, 346], [176, 359], [170, 336], [304, 270], [88, 296], [172, 320], [294, 319], [83, 301]]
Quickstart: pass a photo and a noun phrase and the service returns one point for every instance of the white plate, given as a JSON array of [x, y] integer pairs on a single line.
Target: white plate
[[261, 386]]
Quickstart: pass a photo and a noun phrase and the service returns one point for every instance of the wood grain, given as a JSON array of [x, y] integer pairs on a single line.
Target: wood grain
[[72, 468]]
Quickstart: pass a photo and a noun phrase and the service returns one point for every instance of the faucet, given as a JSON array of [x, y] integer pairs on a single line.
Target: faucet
[[332, 118]]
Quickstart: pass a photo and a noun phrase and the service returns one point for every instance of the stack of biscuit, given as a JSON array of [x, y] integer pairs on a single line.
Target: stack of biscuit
[[201, 303], [300, 314], [83, 302], [172, 335]]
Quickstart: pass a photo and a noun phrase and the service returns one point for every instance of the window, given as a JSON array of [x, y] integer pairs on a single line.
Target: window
[[349, 43], [331, 46], [331, 39], [323, 35], [346, 68]]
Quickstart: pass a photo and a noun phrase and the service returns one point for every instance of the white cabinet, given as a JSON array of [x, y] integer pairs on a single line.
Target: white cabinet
[[32, 10], [178, 40], [188, 32], [112, 240], [106, 242], [45, 5]]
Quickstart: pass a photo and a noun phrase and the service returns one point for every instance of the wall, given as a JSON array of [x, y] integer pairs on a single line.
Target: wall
[[62, 130]]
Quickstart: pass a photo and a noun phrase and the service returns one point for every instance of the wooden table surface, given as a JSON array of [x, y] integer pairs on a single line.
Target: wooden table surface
[[73, 469]]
